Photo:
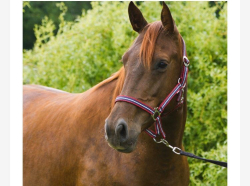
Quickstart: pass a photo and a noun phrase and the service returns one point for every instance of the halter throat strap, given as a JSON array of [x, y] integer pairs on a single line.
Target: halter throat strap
[[156, 112]]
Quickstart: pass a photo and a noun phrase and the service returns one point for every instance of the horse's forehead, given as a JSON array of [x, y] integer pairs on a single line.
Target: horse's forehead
[[167, 42]]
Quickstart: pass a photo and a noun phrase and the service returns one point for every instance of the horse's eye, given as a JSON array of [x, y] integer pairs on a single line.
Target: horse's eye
[[162, 65]]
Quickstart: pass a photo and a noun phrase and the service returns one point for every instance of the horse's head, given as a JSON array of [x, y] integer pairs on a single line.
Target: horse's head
[[152, 68]]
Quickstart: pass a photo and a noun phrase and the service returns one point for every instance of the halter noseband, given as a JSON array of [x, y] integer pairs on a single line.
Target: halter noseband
[[156, 112]]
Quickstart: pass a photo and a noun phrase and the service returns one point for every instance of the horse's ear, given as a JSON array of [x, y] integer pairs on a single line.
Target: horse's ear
[[136, 18], [166, 19]]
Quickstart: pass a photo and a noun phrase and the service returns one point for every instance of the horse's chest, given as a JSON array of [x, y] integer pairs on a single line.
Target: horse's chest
[[119, 169]]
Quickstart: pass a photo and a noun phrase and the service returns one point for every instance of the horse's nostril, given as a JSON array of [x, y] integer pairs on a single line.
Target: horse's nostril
[[121, 131]]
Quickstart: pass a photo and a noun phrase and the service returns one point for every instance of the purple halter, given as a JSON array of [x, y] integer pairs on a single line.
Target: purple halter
[[157, 111]]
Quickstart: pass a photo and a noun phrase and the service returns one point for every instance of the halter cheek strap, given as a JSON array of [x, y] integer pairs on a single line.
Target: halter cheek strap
[[156, 112]]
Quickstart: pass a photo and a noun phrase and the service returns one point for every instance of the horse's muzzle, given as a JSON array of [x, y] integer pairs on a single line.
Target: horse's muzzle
[[119, 137]]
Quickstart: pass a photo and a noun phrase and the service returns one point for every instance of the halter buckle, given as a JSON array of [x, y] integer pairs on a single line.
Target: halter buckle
[[185, 61], [156, 114]]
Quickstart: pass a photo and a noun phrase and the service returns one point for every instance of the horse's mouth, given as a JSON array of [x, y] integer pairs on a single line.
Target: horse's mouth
[[129, 147]]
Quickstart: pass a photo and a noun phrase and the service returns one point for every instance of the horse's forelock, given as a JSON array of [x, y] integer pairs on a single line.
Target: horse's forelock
[[148, 43]]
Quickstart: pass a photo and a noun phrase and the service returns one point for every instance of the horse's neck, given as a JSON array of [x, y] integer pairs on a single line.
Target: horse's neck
[[92, 108], [96, 102]]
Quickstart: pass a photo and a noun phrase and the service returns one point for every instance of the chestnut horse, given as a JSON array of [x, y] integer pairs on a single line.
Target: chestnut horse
[[64, 138]]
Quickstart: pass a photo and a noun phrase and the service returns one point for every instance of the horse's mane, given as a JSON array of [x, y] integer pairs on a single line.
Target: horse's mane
[[146, 55], [119, 76]]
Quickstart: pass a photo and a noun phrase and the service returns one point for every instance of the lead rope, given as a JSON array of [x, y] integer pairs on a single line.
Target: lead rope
[[178, 151], [157, 111]]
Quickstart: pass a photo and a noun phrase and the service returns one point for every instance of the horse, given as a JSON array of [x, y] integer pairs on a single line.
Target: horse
[[90, 138]]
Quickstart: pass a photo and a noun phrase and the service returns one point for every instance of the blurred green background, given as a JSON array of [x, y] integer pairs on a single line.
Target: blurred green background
[[76, 45]]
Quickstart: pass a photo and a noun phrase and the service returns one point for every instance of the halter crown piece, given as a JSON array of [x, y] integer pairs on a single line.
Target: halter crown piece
[[156, 113]]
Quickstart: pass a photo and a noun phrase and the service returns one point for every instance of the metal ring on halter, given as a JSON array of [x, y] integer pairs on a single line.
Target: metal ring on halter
[[157, 141], [185, 61], [179, 81], [156, 114]]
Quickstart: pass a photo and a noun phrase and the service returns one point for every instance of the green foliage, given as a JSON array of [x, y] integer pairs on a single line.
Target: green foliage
[[88, 50], [25, 3], [35, 11]]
